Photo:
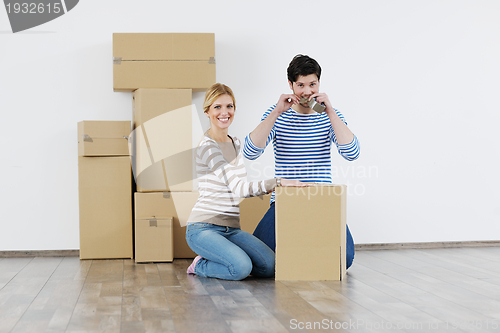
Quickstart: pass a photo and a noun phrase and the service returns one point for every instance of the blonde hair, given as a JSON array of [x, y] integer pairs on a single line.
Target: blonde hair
[[214, 92]]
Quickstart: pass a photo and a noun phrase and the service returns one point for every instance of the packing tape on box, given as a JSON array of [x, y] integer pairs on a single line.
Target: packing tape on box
[[117, 60], [166, 195], [153, 222], [88, 138], [211, 61]]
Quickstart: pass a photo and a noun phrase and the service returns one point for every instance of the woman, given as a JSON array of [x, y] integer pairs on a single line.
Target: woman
[[213, 231]]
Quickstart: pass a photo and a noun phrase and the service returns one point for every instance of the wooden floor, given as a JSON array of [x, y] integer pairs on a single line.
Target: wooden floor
[[436, 290]]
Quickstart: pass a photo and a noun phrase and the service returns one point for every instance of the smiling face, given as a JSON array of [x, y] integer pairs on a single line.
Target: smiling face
[[305, 86], [221, 112]]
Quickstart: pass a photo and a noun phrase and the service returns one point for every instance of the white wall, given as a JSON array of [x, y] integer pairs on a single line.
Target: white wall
[[418, 82]]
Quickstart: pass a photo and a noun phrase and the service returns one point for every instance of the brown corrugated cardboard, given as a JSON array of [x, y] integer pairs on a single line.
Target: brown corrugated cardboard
[[162, 140], [105, 196], [163, 60], [310, 232], [103, 138], [154, 239], [252, 210], [175, 204], [151, 103]]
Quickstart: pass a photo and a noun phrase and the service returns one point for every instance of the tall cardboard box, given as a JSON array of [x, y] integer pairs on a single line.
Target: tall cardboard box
[[162, 140], [163, 60], [103, 138], [178, 205], [311, 233], [105, 197], [154, 239]]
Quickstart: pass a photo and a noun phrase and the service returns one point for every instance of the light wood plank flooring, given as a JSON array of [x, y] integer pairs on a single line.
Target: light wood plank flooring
[[431, 290]]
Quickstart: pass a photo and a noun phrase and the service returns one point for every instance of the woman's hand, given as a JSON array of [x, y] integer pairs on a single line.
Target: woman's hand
[[294, 183]]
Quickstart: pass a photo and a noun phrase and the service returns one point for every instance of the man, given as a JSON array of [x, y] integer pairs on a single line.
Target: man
[[302, 139]]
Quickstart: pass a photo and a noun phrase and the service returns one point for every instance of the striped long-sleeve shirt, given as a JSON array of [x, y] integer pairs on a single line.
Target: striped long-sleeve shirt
[[221, 185], [302, 146]]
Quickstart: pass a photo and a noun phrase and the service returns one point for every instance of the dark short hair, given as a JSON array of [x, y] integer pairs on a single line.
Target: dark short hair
[[302, 65]]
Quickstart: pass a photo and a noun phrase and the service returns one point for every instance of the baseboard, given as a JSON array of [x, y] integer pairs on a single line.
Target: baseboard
[[39, 253], [427, 245], [358, 247]]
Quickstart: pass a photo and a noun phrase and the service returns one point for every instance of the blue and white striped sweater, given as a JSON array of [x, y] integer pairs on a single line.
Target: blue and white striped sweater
[[302, 146]]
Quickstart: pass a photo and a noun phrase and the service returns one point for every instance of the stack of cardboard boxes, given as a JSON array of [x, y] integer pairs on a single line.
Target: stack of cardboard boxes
[[163, 164], [161, 69], [105, 186]]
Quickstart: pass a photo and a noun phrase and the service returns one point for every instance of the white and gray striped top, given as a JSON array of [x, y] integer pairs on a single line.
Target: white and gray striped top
[[221, 185]]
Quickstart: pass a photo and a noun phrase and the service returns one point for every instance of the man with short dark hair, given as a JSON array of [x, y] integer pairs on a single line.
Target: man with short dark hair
[[302, 139]]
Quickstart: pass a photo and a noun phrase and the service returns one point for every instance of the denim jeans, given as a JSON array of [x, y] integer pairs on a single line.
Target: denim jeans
[[265, 231], [228, 253]]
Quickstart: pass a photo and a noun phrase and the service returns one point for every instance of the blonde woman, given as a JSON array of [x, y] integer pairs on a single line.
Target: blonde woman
[[213, 231]]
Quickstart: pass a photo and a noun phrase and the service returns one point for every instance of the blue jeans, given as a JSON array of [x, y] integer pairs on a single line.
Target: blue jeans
[[228, 253], [265, 231]]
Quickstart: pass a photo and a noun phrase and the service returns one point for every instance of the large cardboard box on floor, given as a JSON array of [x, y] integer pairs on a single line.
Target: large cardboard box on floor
[[154, 239], [103, 138], [311, 233], [178, 205], [163, 60], [162, 151], [105, 197]]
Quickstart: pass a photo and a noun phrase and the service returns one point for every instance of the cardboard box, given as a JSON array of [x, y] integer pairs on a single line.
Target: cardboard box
[[252, 210], [105, 196], [162, 140], [178, 205], [103, 138], [311, 233], [163, 60], [154, 239]]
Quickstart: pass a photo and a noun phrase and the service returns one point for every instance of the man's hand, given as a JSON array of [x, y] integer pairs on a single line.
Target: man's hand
[[285, 102], [342, 132], [323, 98]]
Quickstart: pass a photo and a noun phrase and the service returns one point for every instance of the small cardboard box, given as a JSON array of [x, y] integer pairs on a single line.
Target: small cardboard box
[[163, 60], [105, 197], [103, 138], [178, 205], [154, 239], [162, 150], [311, 233]]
